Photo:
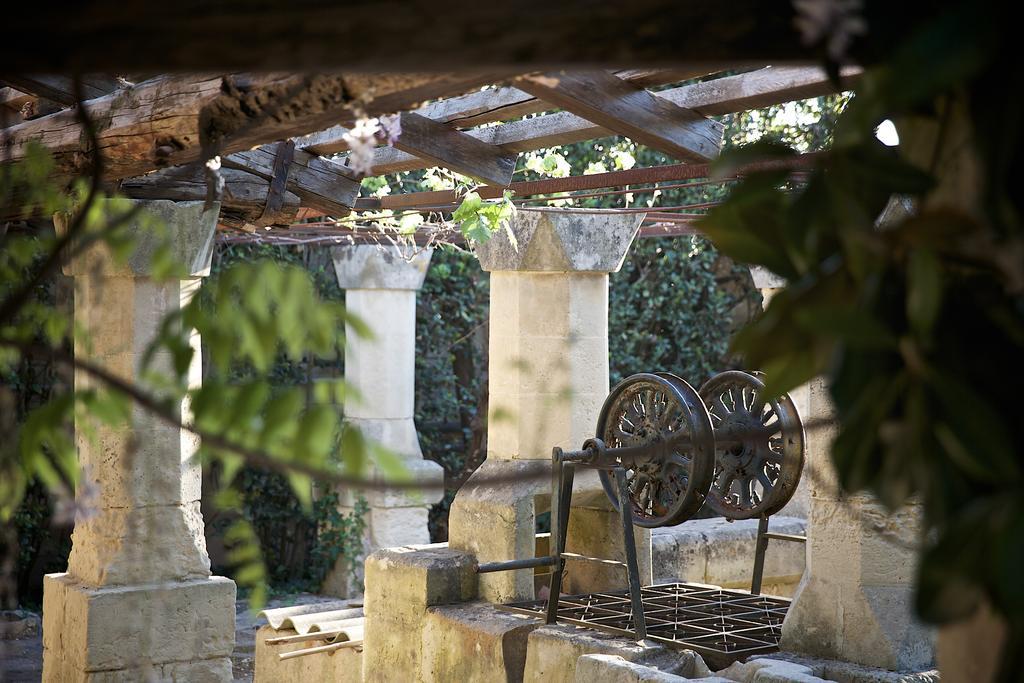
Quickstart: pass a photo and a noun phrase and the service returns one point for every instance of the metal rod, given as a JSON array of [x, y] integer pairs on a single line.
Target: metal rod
[[632, 570], [786, 537], [331, 647], [511, 565], [759, 552], [559, 531], [599, 560]]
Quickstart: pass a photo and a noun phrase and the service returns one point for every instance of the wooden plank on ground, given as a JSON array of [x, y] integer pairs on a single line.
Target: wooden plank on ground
[[630, 110], [445, 146]]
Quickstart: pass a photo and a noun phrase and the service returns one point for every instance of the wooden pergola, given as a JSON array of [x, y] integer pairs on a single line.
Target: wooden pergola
[[281, 137]]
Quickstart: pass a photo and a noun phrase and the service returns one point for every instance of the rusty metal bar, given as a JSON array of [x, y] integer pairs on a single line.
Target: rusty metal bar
[[633, 176], [760, 547], [512, 565]]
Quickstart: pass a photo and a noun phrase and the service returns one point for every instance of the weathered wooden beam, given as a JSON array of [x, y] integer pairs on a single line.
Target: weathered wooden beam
[[445, 146], [320, 183], [630, 110], [199, 35], [61, 89], [171, 121], [14, 99], [493, 104], [753, 90], [22, 105], [243, 201]]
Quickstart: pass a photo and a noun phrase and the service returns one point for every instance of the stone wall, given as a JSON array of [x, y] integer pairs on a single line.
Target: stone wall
[[721, 553]]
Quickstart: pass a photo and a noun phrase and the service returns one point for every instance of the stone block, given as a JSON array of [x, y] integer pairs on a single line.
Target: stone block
[[131, 628], [597, 532], [720, 553], [615, 669], [834, 617], [401, 583], [118, 546], [553, 651], [186, 227], [338, 666], [368, 266], [474, 642], [395, 527], [561, 240], [497, 521], [787, 667]]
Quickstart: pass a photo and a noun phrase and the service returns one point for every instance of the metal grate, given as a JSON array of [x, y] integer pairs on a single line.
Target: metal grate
[[723, 626]]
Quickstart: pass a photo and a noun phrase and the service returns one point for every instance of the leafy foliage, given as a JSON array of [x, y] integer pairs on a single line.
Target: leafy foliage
[[916, 317]]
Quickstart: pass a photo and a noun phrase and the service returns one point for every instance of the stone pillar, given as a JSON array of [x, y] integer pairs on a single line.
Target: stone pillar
[[380, 286], [855, 601], [548, 376], [138, 601]]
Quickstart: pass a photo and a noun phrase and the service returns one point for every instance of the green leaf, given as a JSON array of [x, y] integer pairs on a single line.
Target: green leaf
[[924, 291], [730, 161]]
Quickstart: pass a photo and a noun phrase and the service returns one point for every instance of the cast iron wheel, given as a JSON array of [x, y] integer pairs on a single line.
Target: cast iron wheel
[[757, 473], [647, 409]]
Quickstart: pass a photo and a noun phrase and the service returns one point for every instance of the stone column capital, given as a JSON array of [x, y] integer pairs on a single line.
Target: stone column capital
[[187, 227], [372, 266], [561, 241], [766, 279]]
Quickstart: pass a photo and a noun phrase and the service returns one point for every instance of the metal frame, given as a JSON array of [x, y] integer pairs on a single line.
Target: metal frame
[[722, 625]]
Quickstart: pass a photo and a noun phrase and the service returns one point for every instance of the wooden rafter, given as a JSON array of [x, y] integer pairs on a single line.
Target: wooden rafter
[[243, 201], [630, 110], [171, 121], [442, 200], [752, 90], [319, 183], [61, 89], [505, 103], [445, 146]]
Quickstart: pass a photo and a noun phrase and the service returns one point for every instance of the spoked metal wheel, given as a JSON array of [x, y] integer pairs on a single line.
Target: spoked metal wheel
[[756, 471], [668, 487]]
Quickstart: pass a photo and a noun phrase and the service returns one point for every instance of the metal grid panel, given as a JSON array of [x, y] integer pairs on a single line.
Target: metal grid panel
[[722, 625]]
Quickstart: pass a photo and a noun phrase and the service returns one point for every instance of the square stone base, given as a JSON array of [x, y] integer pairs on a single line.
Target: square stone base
[[552, 653], [159, 632], [474, 642]]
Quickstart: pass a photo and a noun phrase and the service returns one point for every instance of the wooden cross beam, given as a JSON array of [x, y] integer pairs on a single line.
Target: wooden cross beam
[[494, 104], [630, 110], [445, 146], [243, 202], [752, 90], [319, 183]]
